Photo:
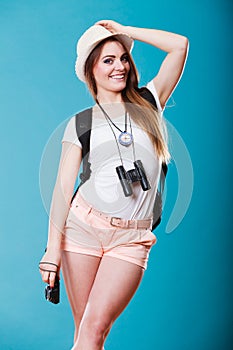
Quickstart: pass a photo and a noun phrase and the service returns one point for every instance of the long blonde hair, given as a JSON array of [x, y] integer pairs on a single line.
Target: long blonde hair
[[141, 111]]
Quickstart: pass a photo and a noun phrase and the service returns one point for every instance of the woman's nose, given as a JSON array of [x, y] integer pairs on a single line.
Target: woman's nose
[[119, 65]]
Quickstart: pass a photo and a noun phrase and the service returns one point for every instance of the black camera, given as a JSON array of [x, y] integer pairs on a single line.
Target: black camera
[[53, 294], [133, 175]]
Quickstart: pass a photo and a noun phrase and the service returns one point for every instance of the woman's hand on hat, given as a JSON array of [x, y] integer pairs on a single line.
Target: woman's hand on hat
[[112, 26]]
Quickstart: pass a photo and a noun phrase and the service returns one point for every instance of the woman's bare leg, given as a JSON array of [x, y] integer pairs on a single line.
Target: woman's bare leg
[[79, 271], [115, 284]]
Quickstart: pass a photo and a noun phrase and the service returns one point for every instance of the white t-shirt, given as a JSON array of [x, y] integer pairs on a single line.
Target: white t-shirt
[[103, 189]]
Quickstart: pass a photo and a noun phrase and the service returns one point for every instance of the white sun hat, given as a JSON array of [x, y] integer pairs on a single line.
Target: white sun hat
[[89, 40]]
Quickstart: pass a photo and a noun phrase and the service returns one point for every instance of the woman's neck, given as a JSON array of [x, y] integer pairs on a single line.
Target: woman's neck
[[114, 110], [108, 97]]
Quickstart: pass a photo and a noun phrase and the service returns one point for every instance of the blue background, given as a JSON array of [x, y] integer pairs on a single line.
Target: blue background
[[185, 299]]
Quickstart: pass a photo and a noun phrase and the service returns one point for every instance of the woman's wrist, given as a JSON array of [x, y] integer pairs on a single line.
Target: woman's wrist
[[129, 30], [137, 33], [53, 246]]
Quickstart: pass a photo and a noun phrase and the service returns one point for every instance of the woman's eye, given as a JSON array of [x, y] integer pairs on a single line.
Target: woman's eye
[[108, 60], [125, 59]]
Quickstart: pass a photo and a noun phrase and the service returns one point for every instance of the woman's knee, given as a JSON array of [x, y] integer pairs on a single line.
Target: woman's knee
[[95, 327]]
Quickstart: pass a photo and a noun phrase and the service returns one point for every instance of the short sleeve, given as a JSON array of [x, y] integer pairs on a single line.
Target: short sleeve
[[150, 86], [70, 134]]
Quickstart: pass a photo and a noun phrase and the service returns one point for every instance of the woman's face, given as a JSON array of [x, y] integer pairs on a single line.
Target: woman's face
[[112, 68]]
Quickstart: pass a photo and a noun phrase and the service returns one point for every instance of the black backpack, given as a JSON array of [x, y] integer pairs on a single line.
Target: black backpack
[[83, 122]]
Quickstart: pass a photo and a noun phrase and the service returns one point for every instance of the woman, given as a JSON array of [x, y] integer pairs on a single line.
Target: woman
[[102, 241]]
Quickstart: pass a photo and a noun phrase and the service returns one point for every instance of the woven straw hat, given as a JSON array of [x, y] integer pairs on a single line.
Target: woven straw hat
[[89, 40]]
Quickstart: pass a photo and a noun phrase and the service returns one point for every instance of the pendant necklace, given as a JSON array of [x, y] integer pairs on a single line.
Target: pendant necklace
[[125, 138]]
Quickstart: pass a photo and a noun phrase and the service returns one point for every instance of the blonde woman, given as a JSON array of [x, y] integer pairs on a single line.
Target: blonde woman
[[102, 238]]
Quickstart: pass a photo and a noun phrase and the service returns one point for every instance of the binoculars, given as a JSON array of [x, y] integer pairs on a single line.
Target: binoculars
[[133, 175]]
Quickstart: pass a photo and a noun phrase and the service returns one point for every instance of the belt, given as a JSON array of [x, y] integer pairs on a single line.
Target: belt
[[115, 221], [136, 224]]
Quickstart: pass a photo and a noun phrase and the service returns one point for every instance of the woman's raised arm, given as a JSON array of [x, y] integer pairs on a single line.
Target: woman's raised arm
[[172, 66]]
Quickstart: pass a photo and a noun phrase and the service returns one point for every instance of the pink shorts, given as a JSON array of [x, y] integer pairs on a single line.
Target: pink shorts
[[88, 233]]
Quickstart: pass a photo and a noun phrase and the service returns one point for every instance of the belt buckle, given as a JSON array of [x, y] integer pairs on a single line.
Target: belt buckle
[[111, 221]]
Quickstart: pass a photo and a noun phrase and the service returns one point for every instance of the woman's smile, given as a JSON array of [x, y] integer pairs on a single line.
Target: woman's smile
[[117, 77]]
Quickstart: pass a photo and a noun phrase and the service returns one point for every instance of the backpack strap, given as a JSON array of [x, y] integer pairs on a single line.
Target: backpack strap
[[83, 123], [147, 95], [158, 204]]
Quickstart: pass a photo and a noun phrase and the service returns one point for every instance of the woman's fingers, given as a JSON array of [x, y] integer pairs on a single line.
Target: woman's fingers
[[49, 277], [104, 23], [48, 273], [45, 276], [110, 25], [52, 277], [49, 266]]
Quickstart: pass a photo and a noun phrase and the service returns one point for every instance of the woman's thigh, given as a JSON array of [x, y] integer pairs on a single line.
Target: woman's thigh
[[114, 286], [79, 272]]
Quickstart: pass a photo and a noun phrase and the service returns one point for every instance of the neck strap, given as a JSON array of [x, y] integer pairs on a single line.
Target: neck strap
[[109, 123]]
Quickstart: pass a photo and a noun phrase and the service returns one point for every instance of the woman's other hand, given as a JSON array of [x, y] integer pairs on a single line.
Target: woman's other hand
[[49, 266]]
